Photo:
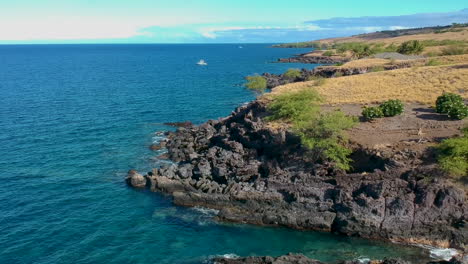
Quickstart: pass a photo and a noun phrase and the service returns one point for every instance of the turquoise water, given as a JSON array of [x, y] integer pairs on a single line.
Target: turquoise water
[[76, 118]]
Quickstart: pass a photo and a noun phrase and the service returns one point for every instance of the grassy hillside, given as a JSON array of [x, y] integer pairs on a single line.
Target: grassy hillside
[[416, 84]]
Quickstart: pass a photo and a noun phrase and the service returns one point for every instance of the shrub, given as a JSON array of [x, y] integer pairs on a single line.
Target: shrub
[[295, 106], [370, 113], [452, 156], [392, 107], [358, 49], [321, 134], [454, 50], [292, 74], [458, 111], [324, 137], [433, 62], [445, 102], [411, 47], [256, 82], [328, 53]]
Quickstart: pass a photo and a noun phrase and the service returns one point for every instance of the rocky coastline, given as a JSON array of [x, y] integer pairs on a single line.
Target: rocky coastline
[[316, 59], [301, 259], [259, 175], [274, 80]]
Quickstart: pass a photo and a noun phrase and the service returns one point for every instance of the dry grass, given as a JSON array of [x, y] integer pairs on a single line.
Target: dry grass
[[417, 84], [366, 63], [373, 62]]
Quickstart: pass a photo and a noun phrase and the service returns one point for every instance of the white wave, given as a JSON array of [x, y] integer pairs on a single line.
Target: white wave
[[443, 253], [363, 260], [206, 211], [230, 256]]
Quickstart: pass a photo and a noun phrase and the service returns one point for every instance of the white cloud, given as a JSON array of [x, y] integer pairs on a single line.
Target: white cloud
[[214, 32]]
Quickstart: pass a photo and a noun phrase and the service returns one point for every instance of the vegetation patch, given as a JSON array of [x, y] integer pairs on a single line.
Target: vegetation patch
[[292, 74], [454, 50], [453, 156], [256, 82], [392, 108], [321, 133], [411, 47], [372, 112], [452, 105]]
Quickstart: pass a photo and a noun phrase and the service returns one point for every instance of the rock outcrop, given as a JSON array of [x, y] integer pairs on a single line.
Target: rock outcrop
[[274, 80], [136, 180], [315, 59], [301, 259], [254, 174], [286, 259]]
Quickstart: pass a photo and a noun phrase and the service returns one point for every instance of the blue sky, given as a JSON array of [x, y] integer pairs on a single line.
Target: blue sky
[[210, 21]]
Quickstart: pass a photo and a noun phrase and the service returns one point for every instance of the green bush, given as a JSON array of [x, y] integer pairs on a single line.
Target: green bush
[[324, 137], [358, 49], [294, 107], [392, 107], [370, 113], [411, 47], [321, 134], [445, 102], [328, 53], [292, 74], [458, 111], [256, 82], [454, 50], [433, 62], [453, 156], [452, 105]]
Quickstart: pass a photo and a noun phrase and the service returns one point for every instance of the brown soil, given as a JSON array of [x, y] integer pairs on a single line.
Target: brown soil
[[418, 127]]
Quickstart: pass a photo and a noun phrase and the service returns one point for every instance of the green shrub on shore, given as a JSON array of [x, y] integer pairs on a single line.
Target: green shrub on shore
[[411, 47], [386, 109], [433, 62], [454, 50], [453, 156], [256, 82], [292, 74], [294, 107], [392, 108], [452, 105], [371, 113], [322, 134], [328, 53]]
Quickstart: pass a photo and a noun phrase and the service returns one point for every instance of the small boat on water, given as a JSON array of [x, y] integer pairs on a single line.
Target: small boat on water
[[202, 62]]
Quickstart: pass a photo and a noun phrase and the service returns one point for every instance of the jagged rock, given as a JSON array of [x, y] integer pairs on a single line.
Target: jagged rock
[[135, 179], [256, 175], [286, 259]]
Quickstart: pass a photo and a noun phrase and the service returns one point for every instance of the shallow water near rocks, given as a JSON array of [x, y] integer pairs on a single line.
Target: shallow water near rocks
[[76, 118]]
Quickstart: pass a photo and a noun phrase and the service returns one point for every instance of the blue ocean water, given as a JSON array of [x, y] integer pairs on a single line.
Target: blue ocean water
[[75, 118]]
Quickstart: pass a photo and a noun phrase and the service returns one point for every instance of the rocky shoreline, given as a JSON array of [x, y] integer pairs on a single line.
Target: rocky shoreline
[[316, 59], [301, 259], [258, 175]]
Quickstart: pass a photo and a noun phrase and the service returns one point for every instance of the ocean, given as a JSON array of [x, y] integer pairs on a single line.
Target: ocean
[[75, 118]]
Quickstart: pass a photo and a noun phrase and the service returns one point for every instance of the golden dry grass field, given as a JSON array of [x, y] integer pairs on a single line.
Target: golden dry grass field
[[373, 62], [416, 84]]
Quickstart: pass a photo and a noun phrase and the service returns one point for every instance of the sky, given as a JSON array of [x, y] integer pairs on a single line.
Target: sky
[[213, 21]]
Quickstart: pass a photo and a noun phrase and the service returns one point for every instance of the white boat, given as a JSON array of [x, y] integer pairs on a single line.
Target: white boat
[[202, 62]]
